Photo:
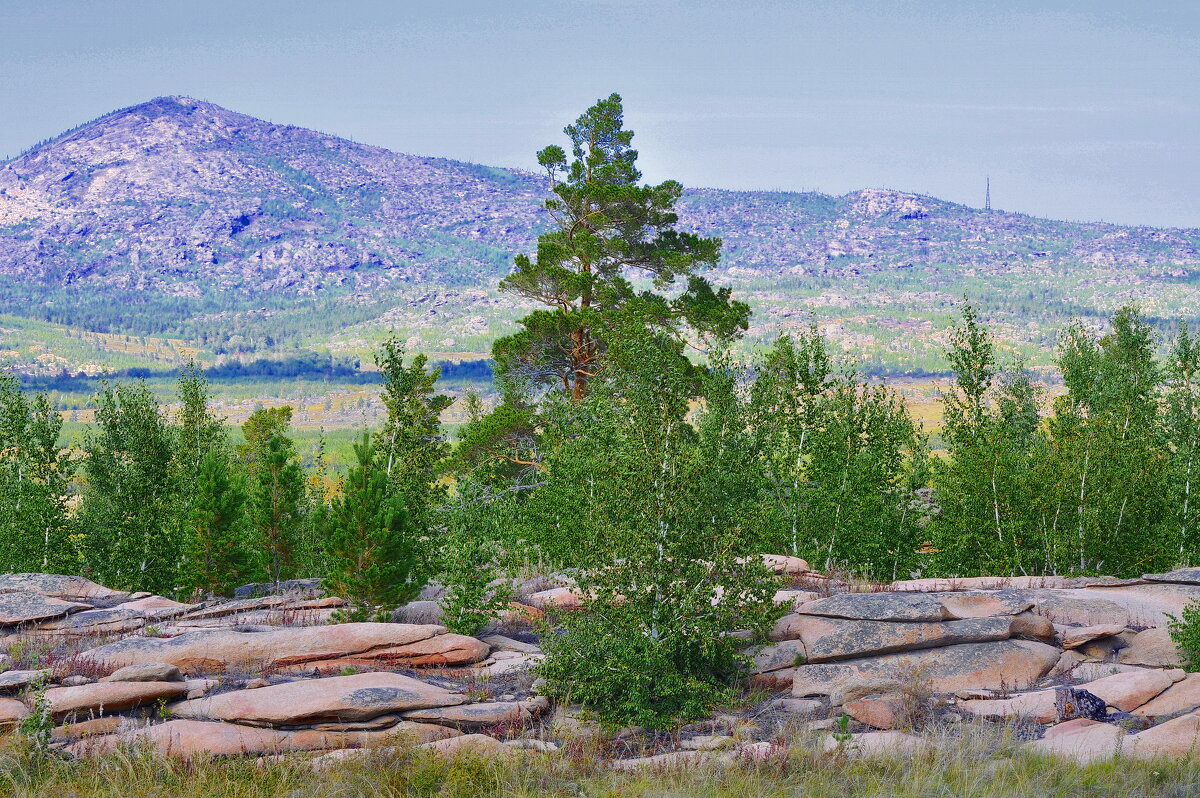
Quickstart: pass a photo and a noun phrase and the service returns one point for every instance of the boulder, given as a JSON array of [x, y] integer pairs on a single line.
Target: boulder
[[148, 672], [1128, 691], [980, 604], [241, 649], [1147, 604], [787, 627], [1030, 626], [158, 607], [1180, 576], [915, 607], [443, 649], [18, 607], [117, 620], [297, 587], [783, 564], [1124, 691], [1066, 665], [221, 609], [468, 744], [1106, 648], [17, 680], [563, 598], [1183, 696], [1076, 636], [861, 688], [508, 662], [105, 698], [502, 643], [189, 738], [1078, 607], [828, 639], [877, 711], [958, 584], [794, 599], [108, 724], [1152, 647], [881, 743], [1038, 706], [339, 698], [708, 742], [483, 715], [797, 706], [1011, 664], [1091, 671], [669, 761], [1082, 740], [1176, 738], [1071, 703], [12, 712], [58, 586], [778, 656]]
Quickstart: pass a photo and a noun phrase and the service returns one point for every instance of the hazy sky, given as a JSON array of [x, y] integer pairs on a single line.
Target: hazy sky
[[1077, 110]]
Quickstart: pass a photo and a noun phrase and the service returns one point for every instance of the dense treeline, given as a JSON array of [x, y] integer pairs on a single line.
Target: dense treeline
[[631, 448], [308, 365]]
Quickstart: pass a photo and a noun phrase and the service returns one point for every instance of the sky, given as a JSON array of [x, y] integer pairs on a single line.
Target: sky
[[1076, 110]]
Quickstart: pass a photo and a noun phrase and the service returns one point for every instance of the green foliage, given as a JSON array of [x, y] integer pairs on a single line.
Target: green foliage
[[1102, 475], [1101, 486], [607, 228], [35, 474], [276, 489], [410, 441], [127, 510], [840, 460], [663, 573], [216, 553], [1185, 634], [986, 486], [471, 558], [36, 727], [1182, 429], [373, 554]]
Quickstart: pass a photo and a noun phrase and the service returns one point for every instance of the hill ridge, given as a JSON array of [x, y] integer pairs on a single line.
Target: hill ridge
[[178, 216]]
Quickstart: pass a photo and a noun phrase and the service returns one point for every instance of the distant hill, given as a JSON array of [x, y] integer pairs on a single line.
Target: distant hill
[[178, 219]]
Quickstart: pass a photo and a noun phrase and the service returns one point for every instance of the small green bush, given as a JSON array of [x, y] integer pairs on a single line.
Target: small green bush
[[1185, 633]]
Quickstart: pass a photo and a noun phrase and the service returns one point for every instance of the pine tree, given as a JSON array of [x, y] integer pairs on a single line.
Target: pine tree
[[373, 552], [609, 233], [276, 489], [216, 553]]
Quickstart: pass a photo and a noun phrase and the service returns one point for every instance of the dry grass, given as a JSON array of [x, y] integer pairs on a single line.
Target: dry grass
[[966, 762]]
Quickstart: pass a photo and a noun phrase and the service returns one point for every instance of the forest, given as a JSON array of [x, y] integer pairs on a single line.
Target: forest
[[636, 448]]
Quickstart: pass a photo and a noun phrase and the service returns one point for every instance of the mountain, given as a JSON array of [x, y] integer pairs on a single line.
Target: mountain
[[179, 218]]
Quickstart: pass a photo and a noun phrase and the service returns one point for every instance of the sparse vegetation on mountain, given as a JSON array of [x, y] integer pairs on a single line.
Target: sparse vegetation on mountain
[[231, 236]]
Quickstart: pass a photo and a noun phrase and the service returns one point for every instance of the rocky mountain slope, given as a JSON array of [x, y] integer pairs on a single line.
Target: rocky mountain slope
[[180, 217]]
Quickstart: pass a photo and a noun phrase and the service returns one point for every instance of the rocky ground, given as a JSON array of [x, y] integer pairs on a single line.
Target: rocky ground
[[1082, 668]]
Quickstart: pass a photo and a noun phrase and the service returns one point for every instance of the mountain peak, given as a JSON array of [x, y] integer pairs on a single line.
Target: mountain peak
[[192, 211]]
